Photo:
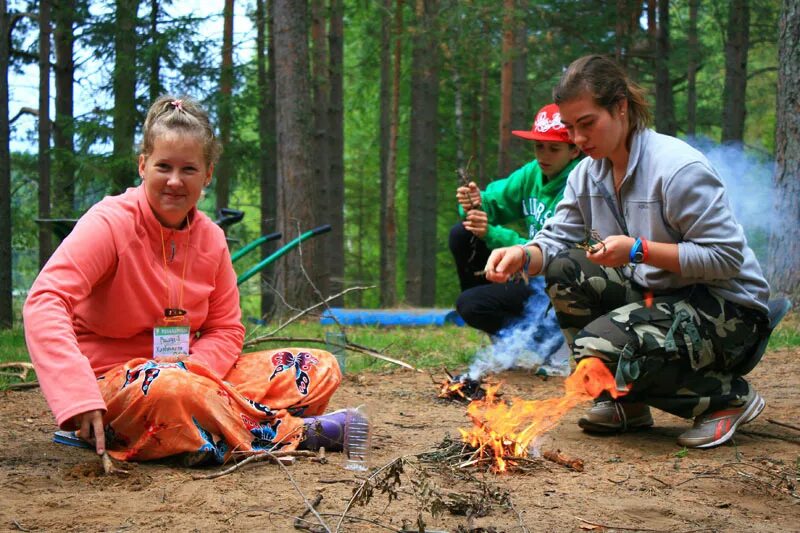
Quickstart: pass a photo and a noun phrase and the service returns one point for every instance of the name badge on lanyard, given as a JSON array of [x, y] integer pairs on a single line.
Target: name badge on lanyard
[[171, 334]]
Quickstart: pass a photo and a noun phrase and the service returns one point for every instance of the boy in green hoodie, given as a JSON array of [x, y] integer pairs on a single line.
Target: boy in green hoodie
[[529, 194]]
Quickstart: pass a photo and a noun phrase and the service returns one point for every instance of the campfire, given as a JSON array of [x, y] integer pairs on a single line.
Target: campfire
[[461, 388], [504, 431]]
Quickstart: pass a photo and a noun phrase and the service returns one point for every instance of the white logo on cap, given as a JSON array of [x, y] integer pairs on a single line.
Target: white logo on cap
[[543, 124]]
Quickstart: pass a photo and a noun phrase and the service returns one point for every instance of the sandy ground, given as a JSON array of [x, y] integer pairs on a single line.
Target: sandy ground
[[633, 482]]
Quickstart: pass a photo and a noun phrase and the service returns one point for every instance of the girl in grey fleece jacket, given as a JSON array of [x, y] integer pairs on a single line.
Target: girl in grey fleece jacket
[[669, 297]]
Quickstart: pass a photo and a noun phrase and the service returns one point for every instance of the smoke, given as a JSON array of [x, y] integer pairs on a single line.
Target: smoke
[[528, 343], [748, 176]]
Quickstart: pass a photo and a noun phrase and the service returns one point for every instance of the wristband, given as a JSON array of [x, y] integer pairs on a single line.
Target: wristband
[[645, 251], [526, 265], [636, 255]]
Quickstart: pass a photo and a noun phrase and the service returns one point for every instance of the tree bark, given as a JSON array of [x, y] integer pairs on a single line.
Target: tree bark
[[293, 126], [506, 79], [390, 111], [335, 241], [665, 105], [224, 171], [155, 53], [422, 207], [321, 139], [265, 48], [124, 95], [520, 152], [784, 243], [737, 45], [691, 70], [6, 307], [63, 133], [45, 237]]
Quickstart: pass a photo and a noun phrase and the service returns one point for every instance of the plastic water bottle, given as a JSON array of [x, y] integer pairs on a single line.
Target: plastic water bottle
[[334, 343], [356, 439]]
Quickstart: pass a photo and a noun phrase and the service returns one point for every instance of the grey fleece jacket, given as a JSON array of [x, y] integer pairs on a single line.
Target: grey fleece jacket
[[670, 193]]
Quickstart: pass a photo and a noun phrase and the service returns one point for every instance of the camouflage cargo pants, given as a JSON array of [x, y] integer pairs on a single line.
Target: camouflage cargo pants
[[677, 351]]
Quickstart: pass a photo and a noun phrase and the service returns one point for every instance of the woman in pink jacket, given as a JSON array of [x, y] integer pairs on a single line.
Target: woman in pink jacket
[[134, 325]]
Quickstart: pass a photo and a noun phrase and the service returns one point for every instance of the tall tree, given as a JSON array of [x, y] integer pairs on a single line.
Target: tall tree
[[320, 82], [691, 69], [389, 117], [737, 45], [519, 148], [6, 308], [506, 85], [335, 242], [266, 139], [124, 83], [784, 244], [665, 105], [293, 126], [224, 171], [155, 52], [63, 132], [422, 206], [45, 238]]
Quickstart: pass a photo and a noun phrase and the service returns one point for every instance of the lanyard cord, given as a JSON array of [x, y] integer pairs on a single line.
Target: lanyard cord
[[185, 260]]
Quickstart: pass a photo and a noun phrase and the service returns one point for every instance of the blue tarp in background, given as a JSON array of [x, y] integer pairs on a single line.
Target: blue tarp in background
[[392, 317]]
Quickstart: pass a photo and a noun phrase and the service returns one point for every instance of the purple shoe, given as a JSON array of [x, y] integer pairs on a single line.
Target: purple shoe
[[325, 431]]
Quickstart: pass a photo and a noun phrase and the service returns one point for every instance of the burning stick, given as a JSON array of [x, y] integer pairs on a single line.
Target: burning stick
[[461, 388], [570, 462]]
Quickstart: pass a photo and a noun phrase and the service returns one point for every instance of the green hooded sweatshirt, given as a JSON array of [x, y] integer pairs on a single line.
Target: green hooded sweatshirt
[[522, 195]]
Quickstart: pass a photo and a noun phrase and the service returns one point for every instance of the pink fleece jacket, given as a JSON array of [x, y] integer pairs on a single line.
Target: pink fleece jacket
[[94, 304]]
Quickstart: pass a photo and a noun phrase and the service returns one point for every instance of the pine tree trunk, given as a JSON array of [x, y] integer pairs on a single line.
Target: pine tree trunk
[[390, 97], [483, 127], [665, 106], [691, 70], [784, 244], [321, 161], [124, 82], [736, 48], [335, 241], [293, 126], [266, 143], [6, 307], [155, 53], [224, 171], [506, 80], [63, 133], [520, 149], [422, 207], [45, 237]]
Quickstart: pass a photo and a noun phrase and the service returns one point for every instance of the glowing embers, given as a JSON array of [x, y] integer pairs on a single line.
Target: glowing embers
[[505, 431]]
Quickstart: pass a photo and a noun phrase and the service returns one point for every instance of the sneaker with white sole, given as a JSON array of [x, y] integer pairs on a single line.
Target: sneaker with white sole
[[615, 417], [713, 429]]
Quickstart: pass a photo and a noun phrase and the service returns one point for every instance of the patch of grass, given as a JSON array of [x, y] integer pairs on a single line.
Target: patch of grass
[[423, 347], [787, 334], [13, 349]]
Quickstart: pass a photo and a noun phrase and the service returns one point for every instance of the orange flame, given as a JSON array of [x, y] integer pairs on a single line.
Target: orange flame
[[505, 430]]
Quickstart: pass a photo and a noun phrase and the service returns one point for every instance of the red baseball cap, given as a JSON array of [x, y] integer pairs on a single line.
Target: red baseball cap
[[546, 127]]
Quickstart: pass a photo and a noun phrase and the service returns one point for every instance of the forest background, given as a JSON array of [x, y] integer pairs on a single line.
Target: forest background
[[357, 113]]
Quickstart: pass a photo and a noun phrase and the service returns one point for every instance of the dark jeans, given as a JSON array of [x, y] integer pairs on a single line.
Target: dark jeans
[[483, 305]]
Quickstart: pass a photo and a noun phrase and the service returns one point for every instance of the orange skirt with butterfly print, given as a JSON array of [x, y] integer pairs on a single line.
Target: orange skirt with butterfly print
[[157, 410]]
